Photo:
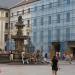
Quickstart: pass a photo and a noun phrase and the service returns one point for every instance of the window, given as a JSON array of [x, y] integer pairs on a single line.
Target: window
[[35, 8], [58, 34], [0, 14], [49, 36], [68, 1], [6, 14], [28, 33], [28, 10], [6, 37], [58, 18], [34, 36], [28, 23], [6, 26], [35, 22], [11, 25], [68, 16], [49, 19], [17, 13], [50, 5], [3, 14], [23, 12], [42, 7], [41, 20], [41, 36], [11, 14], [67, 34], [59, 2]]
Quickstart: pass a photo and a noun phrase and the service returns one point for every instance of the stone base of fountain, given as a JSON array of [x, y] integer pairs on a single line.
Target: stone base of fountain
[[16, 55]]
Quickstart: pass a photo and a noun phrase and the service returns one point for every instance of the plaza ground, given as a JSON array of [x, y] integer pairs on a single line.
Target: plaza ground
[[65, 69]]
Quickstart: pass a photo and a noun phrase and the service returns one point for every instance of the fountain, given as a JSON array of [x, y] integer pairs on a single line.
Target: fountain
[[19, 38]]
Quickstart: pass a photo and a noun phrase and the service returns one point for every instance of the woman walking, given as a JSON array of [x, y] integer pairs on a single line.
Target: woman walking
[[54, 65]]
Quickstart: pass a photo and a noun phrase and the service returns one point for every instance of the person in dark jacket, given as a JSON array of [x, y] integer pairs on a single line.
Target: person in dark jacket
[[54, 65]]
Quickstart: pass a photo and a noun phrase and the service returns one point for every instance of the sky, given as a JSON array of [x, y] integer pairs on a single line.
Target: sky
[[9, 3]]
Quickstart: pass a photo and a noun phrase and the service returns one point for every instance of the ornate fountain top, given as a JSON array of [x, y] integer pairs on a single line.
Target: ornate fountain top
[[20, 20], [19, 24]]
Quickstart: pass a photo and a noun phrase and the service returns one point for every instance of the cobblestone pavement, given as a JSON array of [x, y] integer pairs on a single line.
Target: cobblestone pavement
[[35, 69]]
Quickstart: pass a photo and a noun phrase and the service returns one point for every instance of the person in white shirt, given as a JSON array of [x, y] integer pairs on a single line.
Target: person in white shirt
[[23, 56], [11, 56]]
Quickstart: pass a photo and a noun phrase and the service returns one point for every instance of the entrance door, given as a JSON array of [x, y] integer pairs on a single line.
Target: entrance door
[[74, 53], [57, 47], [73, 50]]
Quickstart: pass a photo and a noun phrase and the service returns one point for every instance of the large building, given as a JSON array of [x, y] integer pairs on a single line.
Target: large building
[[21, 9], [4, 27], [53, 25], [50, 23]]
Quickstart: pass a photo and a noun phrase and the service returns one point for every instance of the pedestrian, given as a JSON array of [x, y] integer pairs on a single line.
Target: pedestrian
[[71, 55], [54, 65], [11, 56], [45, 57], [63, 56], [68, 58], [23, 56]]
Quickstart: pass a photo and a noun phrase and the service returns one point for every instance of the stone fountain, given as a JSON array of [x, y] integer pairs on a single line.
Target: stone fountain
[[19, 38]]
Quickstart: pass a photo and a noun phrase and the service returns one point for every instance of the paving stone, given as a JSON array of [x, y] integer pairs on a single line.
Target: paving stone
[[35, 69]]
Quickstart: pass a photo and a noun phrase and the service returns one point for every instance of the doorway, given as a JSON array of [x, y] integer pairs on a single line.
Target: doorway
[[56, 46], [73, 51]]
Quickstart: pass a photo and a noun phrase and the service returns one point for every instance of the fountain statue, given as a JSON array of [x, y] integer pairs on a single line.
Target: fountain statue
[[19, 37]]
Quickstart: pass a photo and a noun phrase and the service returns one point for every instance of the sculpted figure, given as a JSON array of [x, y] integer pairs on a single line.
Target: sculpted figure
[[20, 19]]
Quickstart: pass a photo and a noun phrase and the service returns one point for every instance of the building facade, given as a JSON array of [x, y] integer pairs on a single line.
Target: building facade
[[21, 9], [4, 27], [50, 23], [53, 25]]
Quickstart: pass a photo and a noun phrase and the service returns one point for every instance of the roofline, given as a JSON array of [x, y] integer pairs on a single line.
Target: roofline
[[22, 4], [16, 4], [3, 8]]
